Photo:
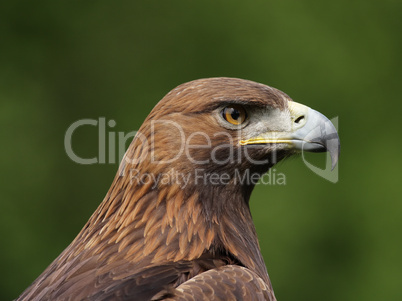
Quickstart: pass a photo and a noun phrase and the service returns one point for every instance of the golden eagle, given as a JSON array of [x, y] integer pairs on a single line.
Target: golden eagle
[[176, 223]]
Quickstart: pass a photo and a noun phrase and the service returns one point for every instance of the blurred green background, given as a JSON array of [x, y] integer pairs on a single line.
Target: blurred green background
[[62, 61]]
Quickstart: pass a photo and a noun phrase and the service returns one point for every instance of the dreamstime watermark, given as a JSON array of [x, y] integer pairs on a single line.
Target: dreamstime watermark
[[112, 147]]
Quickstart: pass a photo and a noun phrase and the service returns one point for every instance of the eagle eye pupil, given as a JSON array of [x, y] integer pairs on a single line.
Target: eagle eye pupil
[[235, 114]]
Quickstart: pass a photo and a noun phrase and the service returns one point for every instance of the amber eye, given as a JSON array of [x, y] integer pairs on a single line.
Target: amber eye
[[234, 114]]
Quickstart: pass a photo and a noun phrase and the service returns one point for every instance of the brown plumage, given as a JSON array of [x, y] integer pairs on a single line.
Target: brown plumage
[[168, 238]]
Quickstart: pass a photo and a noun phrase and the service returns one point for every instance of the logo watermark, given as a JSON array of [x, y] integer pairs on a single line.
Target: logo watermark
[[112, 147], [327, 172]]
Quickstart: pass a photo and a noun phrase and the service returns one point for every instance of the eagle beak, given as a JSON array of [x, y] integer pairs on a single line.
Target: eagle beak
[[311, 131]]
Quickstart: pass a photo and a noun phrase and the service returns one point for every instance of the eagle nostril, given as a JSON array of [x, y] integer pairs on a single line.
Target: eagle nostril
[[299, 119]]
